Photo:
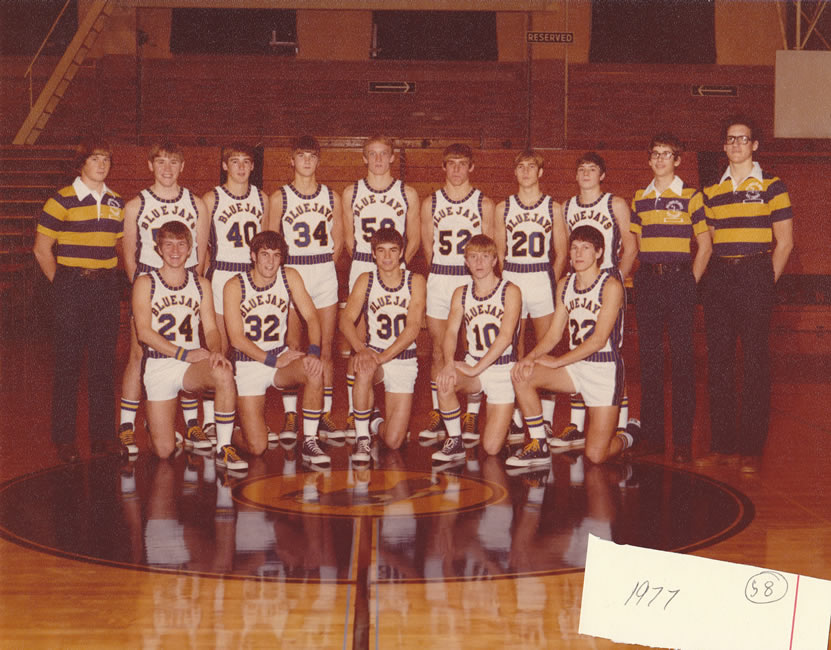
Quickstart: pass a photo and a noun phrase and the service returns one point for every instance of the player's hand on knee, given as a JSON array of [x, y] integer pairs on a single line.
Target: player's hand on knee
[[313, 366], [446, 379], [367, 361], [465, 369], [288, 356], [522, 370], [548, 361], [219, 360], [195, 356]]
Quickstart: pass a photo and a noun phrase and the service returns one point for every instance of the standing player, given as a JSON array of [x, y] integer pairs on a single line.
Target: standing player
[[375, 202], [309, 216], [490, 307], [169, 304], [450, 217], [237, 212], [529, 230], [256, 312], [590, 304], [392, 300], [665, 217], [85, 219], [609, 214], [164, 201], [749, 213]]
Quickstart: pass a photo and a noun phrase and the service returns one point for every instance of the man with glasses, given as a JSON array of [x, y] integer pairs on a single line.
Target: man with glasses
[[750, 218], [666, 216]]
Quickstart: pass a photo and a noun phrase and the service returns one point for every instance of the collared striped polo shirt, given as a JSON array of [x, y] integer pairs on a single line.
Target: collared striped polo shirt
[[743, 217], [668, 222], [86, 232]]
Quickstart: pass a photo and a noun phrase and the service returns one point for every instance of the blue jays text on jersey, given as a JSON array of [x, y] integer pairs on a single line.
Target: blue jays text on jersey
[[387, 200], [457, 210], [262, 299]]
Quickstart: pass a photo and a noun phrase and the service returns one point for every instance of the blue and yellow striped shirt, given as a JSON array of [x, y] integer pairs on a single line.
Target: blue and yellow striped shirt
[[86, 229], [667, 222], [743, 216]]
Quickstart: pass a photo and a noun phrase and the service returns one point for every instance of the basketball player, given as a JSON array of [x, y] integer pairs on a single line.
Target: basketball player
[[490, 307], [308, 214], [751, 220], [590, 303], [85, 220], [165, 200], [609, 214], [375, 202], [450, 217], [529, 231], [257, 306], [666, 216], [169, 304], [392, 300]]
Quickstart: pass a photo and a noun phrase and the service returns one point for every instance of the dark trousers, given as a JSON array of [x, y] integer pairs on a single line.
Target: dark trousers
[[738, 304], [86, 318], [666, 302]]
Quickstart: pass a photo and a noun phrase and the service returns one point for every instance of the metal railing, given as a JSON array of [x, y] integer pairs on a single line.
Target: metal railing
[[28, 72]]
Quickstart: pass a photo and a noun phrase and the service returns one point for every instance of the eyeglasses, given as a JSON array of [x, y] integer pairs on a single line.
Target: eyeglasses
[[741, 139], [666, 155]]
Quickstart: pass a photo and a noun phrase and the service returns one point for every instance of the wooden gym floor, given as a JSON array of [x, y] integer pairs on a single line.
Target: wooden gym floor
[[162, 554]]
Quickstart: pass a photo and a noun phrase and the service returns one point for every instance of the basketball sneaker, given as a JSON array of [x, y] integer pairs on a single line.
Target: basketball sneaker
[[228, 458], [375, 422], [534, 453], [362, 452], [435, 427], [470, 426], [312, 453], [290, 427], [330, 430], [569, 438], [210, 431], [127, 438], [196, 438], [452, 450], [516, 434]]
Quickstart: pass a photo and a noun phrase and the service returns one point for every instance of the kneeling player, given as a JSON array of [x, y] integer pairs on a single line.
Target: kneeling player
[[590, 301], [256, 314], [490, 307], [168, 305], [393, 300]]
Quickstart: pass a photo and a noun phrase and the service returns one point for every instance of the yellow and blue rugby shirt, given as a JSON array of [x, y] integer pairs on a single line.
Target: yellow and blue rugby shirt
[[86, 230]]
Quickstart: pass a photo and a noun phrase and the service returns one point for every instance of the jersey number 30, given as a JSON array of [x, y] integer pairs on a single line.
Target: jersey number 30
[[387, 327]]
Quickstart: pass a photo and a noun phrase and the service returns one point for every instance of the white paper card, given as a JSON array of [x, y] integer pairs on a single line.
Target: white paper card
[[670, 600]]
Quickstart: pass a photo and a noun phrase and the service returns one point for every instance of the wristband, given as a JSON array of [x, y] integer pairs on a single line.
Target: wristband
[[314, 350], [181, 354], [271, 358]]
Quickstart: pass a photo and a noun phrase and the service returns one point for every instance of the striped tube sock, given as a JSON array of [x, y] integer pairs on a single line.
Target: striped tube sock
[[452, 421], [190, 408], [224, 428], [623, 417], [129, 408], [207, 407], [328, 391], [362, 423], [626, 438], [535, 426], [474, 402], [310, 421], [350, 384], [517, 418], [578, 412], [434, 392], [290, 400], [547, 406]]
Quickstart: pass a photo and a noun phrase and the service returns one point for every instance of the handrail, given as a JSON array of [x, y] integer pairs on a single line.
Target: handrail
[[40, 49]]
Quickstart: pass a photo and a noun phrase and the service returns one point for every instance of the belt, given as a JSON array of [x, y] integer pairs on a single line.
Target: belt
[[87, 274], [734, 261], [309, 259], [665, 269], [515, 267], [448, 269], [236, 267]]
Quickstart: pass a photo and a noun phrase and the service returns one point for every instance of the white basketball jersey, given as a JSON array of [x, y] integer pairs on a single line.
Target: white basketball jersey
[[376, 209], [175, 310], [598, 215], [483, 320], [307, 220], [528, 230], [153, 214], [265, 311], [234, 222], [454, 223], [583, 306], [386, 311]]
